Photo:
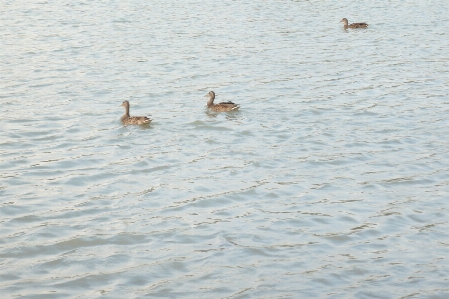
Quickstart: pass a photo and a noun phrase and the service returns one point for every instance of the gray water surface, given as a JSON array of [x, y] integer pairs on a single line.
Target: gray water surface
[[331, 181]]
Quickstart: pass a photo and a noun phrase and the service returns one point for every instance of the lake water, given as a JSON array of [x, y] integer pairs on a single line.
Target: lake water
[[332, 181]]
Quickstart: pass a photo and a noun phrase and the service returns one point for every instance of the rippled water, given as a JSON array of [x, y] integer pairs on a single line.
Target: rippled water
[[331, 182]]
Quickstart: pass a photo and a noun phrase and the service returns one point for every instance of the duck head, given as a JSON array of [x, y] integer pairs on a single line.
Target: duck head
[[126, 105], [344, 20], [211, 96]]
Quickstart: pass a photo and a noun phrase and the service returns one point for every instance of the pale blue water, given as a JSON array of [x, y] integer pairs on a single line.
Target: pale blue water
[[331, 182]]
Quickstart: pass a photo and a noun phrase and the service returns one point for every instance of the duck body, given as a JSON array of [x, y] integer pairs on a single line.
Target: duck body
[[220, 107], [353, 25], [126, 119]]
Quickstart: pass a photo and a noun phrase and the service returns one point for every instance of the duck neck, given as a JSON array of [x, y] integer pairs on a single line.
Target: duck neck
[[211, 101], [126, 111]]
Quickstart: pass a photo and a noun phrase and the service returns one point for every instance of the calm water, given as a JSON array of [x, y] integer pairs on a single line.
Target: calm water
[[331, 182]]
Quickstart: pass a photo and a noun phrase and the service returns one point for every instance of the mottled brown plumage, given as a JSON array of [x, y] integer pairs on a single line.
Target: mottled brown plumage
[[220, 107], [353, 25], [133, 120]]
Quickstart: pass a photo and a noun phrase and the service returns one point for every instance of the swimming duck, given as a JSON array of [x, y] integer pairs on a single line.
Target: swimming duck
[[353, 25], [133, 120], [221, 107]]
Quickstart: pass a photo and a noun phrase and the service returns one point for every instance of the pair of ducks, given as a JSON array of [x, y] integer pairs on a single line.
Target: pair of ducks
[[143, 120]]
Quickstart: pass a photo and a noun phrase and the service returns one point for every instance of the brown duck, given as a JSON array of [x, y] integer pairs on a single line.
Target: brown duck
[[221, 107], [353, 25], [133, 120]]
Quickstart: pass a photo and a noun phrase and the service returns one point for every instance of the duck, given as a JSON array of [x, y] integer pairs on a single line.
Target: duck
[[353, 25], [221, 107], [133, 120]]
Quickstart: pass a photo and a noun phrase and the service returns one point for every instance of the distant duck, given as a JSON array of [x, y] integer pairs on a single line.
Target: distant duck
[[133, 120], [353, 25], [221, 107]]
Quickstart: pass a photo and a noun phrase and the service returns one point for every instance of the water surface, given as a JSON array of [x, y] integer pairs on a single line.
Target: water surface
[[330, 182]]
